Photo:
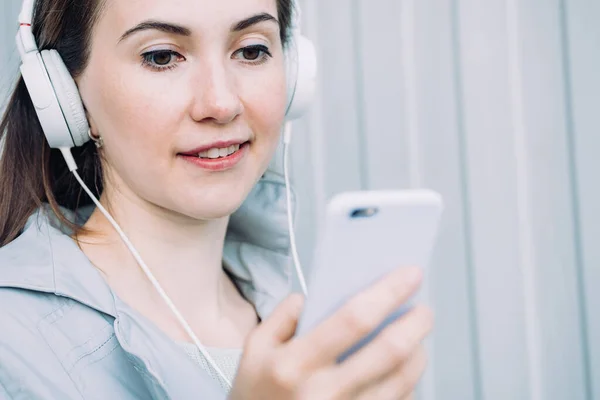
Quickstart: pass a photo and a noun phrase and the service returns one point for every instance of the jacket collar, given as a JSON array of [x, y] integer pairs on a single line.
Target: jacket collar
[[45, 259]]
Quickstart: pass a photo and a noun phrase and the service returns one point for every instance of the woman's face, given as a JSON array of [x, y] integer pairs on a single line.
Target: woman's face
[[173, 84]]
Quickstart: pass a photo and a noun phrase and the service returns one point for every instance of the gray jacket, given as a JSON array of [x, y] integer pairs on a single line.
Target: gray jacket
[[65, 335]]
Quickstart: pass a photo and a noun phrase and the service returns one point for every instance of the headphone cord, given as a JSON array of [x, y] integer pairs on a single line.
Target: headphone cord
[[68, 156], [71, 163], [287, 138]]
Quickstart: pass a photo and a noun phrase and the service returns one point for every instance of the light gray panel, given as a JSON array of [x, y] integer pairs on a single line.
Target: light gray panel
[[386, 157], [8, 53], [308, 153], [304, 189], [6, 23], [338, 59], [304, 166], [439, 148], [583, 41], [383, 112], [325, 154], [557, 350], [492, 190]]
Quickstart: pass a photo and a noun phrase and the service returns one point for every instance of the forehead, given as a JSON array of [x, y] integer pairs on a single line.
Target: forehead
[[202, 15]]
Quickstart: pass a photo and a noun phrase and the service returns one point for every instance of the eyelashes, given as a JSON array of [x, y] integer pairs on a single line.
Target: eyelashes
[[164, 60], [161, 60], [255, 54]]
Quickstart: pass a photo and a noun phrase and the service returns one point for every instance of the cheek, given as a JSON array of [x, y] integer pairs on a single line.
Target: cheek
[[265, 105], [135, 107], [140, 123], [137, 119]]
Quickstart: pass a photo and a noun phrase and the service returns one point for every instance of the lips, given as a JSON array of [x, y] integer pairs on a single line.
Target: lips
[[221, 146], [221, 163], [219, 153]]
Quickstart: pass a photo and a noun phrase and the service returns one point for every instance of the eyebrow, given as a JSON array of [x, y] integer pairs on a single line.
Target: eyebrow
[[253, 20], [159, 26], [183, 31]]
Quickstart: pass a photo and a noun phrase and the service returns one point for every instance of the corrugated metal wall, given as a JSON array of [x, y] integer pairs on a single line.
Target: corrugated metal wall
[[495, 104]]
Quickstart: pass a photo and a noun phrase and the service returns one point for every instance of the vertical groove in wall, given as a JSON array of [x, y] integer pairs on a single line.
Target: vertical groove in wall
[[525, 232], [359, 82], [415, 177], [409, 76], [572, 154], [315, 118], [466, 211]]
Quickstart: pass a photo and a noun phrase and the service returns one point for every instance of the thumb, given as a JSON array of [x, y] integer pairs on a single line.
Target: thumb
[[281, 324]]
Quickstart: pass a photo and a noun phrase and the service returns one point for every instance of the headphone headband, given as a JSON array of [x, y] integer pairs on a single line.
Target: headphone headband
[[26, 15], [25, 40]]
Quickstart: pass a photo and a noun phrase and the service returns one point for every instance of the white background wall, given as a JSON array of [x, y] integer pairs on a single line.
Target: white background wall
[[494, 103]]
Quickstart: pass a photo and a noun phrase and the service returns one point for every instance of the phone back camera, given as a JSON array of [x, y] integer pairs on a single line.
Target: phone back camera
[[364, 212]]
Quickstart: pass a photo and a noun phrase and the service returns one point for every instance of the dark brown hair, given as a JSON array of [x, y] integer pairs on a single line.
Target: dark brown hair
[[31, 173]]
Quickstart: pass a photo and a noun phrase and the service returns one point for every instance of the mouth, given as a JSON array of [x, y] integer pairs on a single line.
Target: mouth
[[215, 153], [217, 157]]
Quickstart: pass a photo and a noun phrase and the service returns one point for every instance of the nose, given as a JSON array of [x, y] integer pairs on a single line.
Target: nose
[[217, 99]]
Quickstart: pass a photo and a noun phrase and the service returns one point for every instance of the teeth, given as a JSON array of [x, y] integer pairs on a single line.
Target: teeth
[[216, 153], [213, 153]]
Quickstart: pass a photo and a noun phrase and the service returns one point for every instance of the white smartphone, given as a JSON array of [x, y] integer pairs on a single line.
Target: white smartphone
[[367, 235]]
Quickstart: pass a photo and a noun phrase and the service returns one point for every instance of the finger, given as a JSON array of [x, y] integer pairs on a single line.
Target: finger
[[401, 384], [281, 324], [358, 317], [320, 385], [389, 350]]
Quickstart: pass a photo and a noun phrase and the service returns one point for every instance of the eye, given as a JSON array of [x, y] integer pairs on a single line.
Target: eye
[[161, 59], [255, 54]]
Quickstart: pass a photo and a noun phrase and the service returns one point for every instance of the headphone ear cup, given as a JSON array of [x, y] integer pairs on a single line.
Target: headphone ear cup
[[68, 96], [301, 65], [291, 73], [302, 76]]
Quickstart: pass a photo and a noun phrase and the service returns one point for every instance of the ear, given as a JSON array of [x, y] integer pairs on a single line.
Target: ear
[[93, 126]]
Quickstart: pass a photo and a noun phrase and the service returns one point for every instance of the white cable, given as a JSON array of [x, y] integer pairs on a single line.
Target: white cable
[[287, 136], [71, 162], [66, 152]]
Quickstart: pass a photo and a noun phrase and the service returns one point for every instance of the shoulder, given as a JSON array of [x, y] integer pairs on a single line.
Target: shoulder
[[26, 282], [50, 325], [27, 260], [57, 339], [38, 328], [26, 309], [30, 367]]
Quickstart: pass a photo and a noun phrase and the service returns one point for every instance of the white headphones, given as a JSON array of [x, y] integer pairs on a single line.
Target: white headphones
[[58, 103]]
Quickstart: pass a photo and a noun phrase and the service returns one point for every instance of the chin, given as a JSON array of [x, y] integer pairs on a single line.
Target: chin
[[217, 195], [212, 205], [207, 212]]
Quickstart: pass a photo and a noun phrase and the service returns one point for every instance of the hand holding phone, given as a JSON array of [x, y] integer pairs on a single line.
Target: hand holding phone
[[366, 235], [276, 365], [356, 289]]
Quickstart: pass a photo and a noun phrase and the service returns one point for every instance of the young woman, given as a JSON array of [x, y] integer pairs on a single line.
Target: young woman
[[185, 101]]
